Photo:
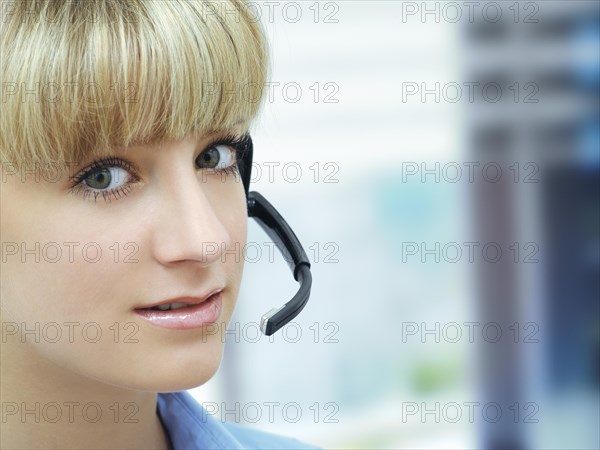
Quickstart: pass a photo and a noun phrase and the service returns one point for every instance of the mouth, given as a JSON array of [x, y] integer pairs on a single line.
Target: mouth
[[185, 312], [179, 303], [171, 306]]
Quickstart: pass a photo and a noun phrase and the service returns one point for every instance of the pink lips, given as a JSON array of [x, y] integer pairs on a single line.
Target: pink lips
[[192, 316]]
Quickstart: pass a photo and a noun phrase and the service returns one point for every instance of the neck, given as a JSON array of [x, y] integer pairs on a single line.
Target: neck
[[46, 406]]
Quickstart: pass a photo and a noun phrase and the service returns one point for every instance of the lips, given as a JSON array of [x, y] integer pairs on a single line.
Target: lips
[[178, 303], [185, 312]]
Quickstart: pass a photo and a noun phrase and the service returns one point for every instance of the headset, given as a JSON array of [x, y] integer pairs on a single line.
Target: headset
[[284, 237]]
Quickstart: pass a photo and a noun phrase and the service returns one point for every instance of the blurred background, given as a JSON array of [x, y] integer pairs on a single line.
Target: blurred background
[[439, 161]]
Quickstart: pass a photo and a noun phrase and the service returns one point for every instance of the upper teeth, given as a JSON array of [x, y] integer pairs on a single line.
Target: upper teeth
[[172, 306]]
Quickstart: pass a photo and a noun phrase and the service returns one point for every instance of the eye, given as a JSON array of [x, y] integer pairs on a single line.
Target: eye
[[218, 157], [106, 178], [111, 178]]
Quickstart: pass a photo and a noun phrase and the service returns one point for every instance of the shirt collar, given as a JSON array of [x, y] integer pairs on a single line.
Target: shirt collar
[[189, 425]]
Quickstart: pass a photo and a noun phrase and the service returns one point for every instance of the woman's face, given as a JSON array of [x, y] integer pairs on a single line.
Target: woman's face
[[74, 269]]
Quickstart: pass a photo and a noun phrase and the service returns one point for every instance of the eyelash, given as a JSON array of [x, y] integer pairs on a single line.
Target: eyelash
[[239, 144], [79, 188]]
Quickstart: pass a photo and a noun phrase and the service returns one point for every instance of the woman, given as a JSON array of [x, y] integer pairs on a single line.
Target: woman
[[121, 125]]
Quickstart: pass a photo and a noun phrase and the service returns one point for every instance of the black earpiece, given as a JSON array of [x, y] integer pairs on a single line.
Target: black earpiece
[[284, 238]]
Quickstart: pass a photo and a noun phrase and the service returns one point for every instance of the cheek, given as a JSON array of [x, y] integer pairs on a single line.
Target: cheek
[[230, 207], [61, 260], [61, 280], [62, 273]]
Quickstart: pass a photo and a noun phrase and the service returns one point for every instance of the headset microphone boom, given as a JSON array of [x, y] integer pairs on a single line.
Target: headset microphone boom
[[284, 237]]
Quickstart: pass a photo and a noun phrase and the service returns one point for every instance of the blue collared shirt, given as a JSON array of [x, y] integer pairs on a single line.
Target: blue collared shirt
[[190, 427]]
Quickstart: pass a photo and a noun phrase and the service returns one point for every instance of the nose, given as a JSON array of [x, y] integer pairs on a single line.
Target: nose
[[187, 227]]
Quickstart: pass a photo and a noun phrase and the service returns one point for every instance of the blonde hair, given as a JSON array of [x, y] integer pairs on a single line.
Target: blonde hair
[[83, 78]]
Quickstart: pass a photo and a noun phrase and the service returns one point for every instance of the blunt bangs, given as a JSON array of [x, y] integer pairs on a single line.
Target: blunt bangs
[[82, 78]]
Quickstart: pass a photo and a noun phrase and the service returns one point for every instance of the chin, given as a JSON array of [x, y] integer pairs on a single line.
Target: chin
[[165, 370], [171, 378], [182, 373]]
